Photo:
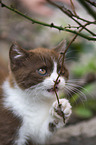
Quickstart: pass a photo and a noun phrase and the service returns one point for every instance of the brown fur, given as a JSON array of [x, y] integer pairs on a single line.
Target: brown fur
[[9, 125], [8, 122]]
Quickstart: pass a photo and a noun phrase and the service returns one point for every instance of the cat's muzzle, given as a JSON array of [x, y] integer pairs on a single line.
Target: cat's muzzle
[[52, 90]]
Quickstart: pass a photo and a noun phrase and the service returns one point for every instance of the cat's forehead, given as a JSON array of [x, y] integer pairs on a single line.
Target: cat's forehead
[[43, 53]]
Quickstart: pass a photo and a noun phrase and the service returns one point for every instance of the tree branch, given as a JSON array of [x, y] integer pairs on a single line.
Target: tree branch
[[71, 15], [60, 28]]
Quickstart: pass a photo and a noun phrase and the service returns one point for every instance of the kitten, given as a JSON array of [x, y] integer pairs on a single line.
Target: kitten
[[27, 99]]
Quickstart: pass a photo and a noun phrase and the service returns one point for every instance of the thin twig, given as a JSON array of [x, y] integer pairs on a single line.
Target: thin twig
[[73, 8], [88, 8], [92, 3], [57, 97], [69, 26]]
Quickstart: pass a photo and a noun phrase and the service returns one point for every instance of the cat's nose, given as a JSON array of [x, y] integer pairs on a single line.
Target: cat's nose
[[57, 81]]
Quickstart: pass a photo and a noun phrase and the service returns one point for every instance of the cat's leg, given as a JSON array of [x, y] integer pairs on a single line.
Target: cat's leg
[[59, 114], [54, 120]]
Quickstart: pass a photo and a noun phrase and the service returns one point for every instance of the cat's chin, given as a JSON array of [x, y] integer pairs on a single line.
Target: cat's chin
[[49, 94]]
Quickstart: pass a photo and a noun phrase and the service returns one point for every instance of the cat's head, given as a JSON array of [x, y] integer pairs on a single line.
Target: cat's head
[[37, 69]]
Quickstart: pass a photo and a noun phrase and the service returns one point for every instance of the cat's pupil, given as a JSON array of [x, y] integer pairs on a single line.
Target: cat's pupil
[[42, 71]]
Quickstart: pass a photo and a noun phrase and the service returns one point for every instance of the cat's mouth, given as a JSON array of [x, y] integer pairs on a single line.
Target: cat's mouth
[[52, 90]]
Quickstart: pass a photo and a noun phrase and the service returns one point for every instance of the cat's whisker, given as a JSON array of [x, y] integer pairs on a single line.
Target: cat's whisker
[[77, 92], [72, 90], [70, 58], [80, 87], [71, 94], [76, 88], [68, 91], [72, 51], [76, 80], [75, 85]]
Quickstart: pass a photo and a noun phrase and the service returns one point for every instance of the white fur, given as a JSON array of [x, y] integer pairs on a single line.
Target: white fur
[[33, 106]]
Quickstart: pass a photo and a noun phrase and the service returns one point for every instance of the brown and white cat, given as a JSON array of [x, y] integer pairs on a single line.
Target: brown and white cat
[[27, 99]]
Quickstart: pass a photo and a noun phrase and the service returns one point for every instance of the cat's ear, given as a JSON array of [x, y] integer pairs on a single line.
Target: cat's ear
[[61, 47], [17, 53]]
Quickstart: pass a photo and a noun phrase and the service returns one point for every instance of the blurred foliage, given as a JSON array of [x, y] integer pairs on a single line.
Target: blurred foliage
[[86, 107], [82, 69], [83, 112], [86, 59], [86, 110]]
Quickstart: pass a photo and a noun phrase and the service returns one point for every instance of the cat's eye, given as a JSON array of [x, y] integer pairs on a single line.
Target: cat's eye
[[42, 71]]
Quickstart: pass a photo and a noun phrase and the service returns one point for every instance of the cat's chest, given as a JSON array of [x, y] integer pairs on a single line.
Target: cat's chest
[[32, 112], [32, 122]]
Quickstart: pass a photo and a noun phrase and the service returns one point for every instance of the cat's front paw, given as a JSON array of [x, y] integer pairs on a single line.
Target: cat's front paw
[[64, 108], [60, 114]]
